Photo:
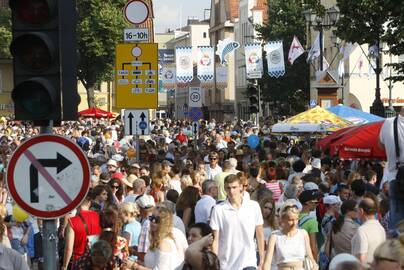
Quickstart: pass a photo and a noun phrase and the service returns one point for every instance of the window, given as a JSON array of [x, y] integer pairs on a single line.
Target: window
[[204, 34]]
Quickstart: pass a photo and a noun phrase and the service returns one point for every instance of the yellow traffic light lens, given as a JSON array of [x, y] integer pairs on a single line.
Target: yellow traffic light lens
[[33, 51]]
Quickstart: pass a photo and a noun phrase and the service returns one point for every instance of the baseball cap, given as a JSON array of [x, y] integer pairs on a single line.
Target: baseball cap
[[309, 195], [145, 201], [331, 199]]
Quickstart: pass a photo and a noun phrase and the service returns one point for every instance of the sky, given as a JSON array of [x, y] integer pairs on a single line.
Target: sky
[[167, 13]]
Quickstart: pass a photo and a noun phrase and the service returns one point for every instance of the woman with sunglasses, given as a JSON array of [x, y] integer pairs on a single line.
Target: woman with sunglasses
[[162, 253], [117, 190], [268, 213], [289, 247]]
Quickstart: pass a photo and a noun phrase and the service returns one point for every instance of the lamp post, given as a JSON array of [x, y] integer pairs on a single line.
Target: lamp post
[[377, 107], [320, 24]]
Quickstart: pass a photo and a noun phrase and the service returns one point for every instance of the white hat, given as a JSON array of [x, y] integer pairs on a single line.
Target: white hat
[[146, 201], [135, 165], [316, 163], [112, 162], [117, 157], [331, 199], [342, 257], [310, 186]]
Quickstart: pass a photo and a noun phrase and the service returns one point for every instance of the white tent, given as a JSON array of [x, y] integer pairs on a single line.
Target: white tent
[[298, 128]]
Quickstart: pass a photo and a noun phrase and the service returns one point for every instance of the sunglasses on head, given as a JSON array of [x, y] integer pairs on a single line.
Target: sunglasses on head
[[154, 219]]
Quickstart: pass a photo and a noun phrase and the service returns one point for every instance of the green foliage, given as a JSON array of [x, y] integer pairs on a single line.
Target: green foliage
[[5, 32], [99, 29], [285, 20]]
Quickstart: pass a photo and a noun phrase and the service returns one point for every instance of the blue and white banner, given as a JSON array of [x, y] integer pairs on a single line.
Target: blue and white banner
[[224, 48], [183, 60], [253, 60], [221, 77], [205, 63], [168, 77], [275, 59]]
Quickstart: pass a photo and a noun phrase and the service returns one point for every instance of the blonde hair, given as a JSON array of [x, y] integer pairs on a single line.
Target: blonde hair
[[3, 211], [289, 208], [130, 208], [186, 181], [164, 228], [353, 176]]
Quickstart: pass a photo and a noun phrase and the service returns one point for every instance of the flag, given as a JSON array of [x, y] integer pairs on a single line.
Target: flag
[[205, 63], [296, 49], [224, 48], [314, 50], [326, 65], [346, 49], [341, 68], [253, 60], [360, 65], [373, 51], [276, 63], [184, 64]]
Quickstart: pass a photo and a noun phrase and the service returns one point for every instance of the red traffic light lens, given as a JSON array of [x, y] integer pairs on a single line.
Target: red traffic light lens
[[34, 12], [34, 98], [33, 51]]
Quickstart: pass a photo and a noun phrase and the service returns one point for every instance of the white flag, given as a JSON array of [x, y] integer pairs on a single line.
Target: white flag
[[341, 68], [314, 50], [326, 65], [346, 49], [296, 49]]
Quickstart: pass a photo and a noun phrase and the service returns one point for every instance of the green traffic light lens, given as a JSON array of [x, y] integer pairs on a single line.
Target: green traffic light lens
[[33, 98], [34, 12]]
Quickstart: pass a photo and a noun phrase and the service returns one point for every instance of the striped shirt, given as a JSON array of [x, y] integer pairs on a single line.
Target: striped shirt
[[275, 188]]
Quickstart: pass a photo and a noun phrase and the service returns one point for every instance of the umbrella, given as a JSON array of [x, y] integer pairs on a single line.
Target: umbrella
[[359, 142], [96, 112], [319, 116], [297, 128], [354, 115], [325, 142]]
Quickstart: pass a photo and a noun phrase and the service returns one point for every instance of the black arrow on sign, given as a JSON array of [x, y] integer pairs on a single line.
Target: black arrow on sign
[[60, 163], [130, 117], [195, 128]]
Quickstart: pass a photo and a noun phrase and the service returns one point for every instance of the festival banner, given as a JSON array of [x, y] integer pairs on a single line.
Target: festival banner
[[224, 48], [295, 51], [168, 77], [205, 63], [221, 77], [253, 60], [275, 59], [183, 59]]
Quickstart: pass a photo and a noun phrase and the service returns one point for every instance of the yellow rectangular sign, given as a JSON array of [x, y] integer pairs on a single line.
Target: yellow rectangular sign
[[136, 76]]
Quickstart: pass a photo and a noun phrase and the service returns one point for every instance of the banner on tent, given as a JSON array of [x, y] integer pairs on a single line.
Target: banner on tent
[[253, 60], [183, 59], [275, 59]]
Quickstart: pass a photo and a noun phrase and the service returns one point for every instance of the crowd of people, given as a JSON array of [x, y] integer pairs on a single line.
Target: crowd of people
[[174, 201]]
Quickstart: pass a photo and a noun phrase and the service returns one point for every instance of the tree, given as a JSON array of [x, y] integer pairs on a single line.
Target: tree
[[5, 32], [285, 20], [99, 29]]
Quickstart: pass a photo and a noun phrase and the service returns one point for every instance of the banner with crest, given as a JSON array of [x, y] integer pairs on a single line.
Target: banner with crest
[[184, 64], [275, 59], [205, 63], [253, 60]]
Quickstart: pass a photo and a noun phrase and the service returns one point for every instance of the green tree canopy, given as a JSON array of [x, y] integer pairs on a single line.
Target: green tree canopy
[[286, 20]]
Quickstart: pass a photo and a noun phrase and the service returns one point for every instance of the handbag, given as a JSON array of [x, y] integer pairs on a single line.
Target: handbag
[[323, 258], [308, 263]]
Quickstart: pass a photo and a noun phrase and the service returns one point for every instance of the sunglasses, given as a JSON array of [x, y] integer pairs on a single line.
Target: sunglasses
[[212, 158], [154, 219], [115, 186]]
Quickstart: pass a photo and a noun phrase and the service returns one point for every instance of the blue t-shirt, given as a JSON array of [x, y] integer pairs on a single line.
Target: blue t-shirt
[[133, 228]]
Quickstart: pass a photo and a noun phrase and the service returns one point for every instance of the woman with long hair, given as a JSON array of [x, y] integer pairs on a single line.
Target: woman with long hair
[[111, 225], [185, 206], [343, 229], [196, 180], [268, 213], [162, 253], [289, 247], [117, 190]]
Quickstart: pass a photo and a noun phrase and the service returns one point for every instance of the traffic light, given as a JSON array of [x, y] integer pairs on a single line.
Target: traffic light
[[44, 56], [253, 95]]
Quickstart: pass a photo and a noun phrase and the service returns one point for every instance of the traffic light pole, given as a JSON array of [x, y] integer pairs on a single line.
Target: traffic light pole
[[257, 119], [49, 232]]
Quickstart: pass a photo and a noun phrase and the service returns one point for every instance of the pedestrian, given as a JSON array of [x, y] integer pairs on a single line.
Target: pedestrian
[[289, 246], [235, 222], [205, 204]]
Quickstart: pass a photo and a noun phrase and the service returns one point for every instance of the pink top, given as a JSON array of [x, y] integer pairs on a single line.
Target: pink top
[[275, 188]]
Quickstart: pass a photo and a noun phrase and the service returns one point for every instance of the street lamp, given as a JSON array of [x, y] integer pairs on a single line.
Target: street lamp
[[320, 23]]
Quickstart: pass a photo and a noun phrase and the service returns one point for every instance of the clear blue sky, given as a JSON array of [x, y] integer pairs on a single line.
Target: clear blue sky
[[167, 12]]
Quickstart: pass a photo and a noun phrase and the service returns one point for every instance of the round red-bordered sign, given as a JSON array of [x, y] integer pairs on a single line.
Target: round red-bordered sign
[[60, 170], [136, 12]]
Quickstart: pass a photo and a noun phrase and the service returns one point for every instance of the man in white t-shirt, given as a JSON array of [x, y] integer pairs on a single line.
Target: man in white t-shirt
[[212, 169], [204, 206], [235, 222], [386, 139], [369, 235]]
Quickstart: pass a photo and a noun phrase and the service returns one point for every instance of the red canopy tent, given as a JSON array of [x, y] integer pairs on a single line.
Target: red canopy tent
[[360, 142], [325, 142], [96, 112]]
